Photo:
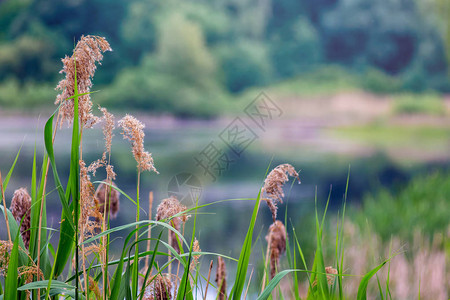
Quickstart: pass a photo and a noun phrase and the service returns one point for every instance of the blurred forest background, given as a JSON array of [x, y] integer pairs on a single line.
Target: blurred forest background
[[207, 52]]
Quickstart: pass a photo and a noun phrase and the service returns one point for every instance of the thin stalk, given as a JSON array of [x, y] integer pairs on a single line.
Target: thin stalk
[[76, 165], [83, 250], [149, 233], [105, 239], [248, 285], [265, 263], [178, 266], [136, 249], [207, 282], [4, 207]]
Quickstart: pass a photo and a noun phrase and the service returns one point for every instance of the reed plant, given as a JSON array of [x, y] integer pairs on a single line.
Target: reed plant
[[79, 265]]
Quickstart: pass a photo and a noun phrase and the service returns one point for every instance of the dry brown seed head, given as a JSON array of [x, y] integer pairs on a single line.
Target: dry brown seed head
[[277, 245], [107, 194], [273, 186], [162, 286], [166, 210], [133, 130], [20, 208], [195, 257], [86, 54], [221, 278], [5, 252], [332, 271]]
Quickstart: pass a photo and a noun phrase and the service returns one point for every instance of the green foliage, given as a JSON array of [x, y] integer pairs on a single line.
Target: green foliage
[[324, 81], [244, 64], [207, 49], [429, 104], [28, 95], [422, 206], [297, 50], [377, 81]]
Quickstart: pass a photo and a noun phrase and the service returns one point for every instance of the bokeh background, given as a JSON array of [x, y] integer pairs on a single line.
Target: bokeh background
[[362, 89]]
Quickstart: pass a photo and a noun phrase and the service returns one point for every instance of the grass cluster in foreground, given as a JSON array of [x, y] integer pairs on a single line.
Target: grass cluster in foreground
[[150, 266]]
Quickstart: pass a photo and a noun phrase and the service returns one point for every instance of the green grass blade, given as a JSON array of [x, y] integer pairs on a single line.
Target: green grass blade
[[44, 283], [274, 282], [380, 289], [152, 260], [185, 290], [15, 232], [244, 257], [48, 139], [362, 289], [8, 176], [11, 279]]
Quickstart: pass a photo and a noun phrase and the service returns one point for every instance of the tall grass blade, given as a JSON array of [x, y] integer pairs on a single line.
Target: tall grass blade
[[274, 283], [8, 176], [12, 273], [185, 290], [362, 289], [244, 257], [48, 139]]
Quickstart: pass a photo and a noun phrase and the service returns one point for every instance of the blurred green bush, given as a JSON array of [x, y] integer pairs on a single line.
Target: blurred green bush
[[422, 205], [429, 103]]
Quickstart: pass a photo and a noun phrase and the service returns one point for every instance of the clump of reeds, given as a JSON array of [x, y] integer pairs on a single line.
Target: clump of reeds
[[273, 186], [276, 239], [221, 279], [20, 209]]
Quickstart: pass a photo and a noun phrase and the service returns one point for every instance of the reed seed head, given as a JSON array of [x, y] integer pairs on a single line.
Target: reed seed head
[[221, 278], [86, 54], [166, 210], [20, 208], [5, 252], [273, 186], [88, 205], [107, 194], [108, 128], [160, 288], [133, 130], [277, 245], [332, 271], [195, 257]]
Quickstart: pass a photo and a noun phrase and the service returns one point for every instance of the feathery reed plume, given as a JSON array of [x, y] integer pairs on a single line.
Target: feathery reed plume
[[109, 197], [159, 289], [167, 209], [133, 130], [221, 280], [276, 239], [87, 52], [273, 186], [88, 203], [195, 257], [162, 287], [5, 252], [207, 281], [93, 287], [108, 128], [20, 208], [332, 271]]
